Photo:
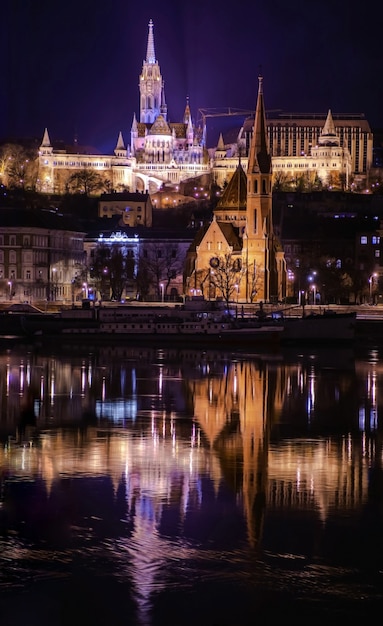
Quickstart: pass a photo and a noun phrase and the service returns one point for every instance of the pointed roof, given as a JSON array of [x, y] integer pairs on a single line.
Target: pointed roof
[[150, 53], [235, 194], [134, 123], [220, 144], [160, 127], [259, 156], [187, 113], [46, 142], [328, 135], [120, 142]]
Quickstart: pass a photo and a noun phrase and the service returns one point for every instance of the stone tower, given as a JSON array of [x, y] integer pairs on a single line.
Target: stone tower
[[261, 250], [152, 96]]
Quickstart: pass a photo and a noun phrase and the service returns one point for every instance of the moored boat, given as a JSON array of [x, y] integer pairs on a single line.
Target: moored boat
[[182, 330], [328, 326]]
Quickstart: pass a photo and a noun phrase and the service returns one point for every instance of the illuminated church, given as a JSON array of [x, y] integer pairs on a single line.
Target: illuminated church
[[237, 255], [160, 151]]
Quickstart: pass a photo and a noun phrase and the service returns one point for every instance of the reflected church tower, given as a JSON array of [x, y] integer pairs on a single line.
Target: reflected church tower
[[234, 412]]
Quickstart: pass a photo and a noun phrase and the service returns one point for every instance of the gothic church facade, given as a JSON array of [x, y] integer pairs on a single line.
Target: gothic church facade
[[160, 151], [237, 256]]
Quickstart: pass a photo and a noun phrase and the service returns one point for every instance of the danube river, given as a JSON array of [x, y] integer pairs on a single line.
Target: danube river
[[168, 487]]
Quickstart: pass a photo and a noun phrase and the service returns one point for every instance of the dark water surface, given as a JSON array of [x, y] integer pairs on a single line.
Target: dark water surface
[[156, 487]]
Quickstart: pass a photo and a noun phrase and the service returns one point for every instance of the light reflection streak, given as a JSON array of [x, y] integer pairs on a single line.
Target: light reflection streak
[[52, 389], [21, 375], [160, 382], [8, 374]]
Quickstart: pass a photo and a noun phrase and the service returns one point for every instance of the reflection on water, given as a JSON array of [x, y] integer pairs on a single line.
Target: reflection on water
[[189, 485]]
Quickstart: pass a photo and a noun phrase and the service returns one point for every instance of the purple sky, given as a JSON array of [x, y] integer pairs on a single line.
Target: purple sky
[[74, 66]]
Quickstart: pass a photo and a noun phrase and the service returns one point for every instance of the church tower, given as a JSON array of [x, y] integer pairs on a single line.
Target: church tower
[[263, 255], [152, 96]]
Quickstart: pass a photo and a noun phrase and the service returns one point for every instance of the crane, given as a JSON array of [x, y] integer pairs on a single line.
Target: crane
[[222, 112], [226, 112]]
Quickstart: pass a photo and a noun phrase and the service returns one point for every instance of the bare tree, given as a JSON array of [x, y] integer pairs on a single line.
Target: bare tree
[[225, 276], [110, 270], [18, 166], [85, 181], [158, 265], [254, 280]]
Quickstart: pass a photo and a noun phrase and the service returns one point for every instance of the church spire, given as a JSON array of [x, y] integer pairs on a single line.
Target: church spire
[[187, 112], [150, 83], [259, 224], [259, 157], [150, 54]]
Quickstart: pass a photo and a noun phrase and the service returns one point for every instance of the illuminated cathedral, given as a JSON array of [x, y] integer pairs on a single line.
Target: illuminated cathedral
[[160, 151]]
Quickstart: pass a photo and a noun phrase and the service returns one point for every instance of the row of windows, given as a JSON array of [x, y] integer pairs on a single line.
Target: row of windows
[[38, 240], [375, 240], [12, 274], [305, 165], [78, 164]]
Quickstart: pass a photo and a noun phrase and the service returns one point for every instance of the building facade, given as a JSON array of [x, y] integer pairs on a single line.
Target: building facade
[[336, 151], [154, 260], [41, 257], [164, 152], [134, 208]]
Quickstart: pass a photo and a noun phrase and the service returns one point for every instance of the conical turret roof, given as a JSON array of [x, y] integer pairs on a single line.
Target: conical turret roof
[[235, 194]]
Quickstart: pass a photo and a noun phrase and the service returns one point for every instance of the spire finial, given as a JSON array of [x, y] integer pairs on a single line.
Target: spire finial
[[260, 80], [150, 54]]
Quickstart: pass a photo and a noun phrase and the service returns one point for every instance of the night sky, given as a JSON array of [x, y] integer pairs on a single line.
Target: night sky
[[74, 66]]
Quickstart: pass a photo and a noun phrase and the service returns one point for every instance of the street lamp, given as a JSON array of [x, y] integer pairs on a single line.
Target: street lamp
[[85, 287], [371, 282], [162, 291], [314, 294], [10, 289]]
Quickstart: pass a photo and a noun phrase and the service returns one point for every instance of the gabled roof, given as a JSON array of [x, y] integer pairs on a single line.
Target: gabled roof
[[160, 126], [230, 233], [179, 127]]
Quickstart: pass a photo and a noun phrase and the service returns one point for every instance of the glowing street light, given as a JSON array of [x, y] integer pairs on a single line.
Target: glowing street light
[[371, 283], [314, 294], [162, 291]]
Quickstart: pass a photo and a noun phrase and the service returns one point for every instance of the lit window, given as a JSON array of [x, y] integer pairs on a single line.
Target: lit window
[[363, 240]]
